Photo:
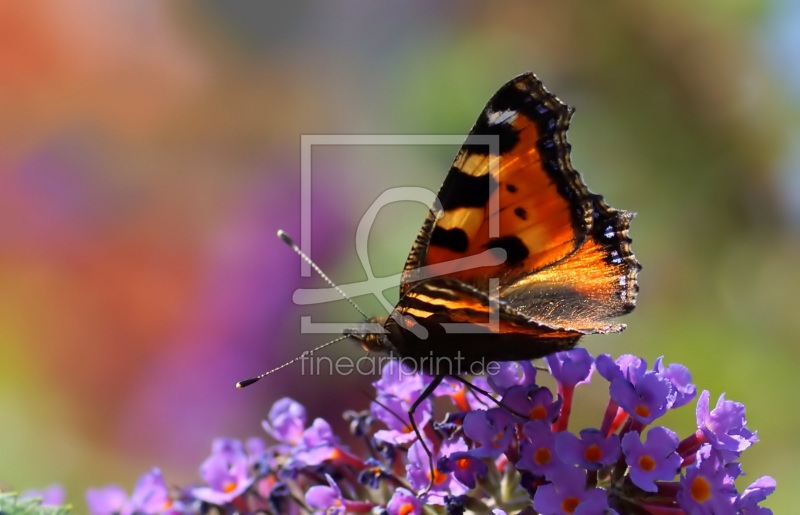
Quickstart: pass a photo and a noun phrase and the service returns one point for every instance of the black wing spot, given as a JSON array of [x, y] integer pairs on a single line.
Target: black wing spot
[[516, 251], [521, 213], [463, 190], [451, 239], [511, 188]]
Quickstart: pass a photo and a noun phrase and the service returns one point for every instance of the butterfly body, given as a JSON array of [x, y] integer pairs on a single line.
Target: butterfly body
[[517, 259], [450, 340]]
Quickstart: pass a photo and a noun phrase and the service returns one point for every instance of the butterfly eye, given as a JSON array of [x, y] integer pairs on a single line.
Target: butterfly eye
[[371, 343], [366, 340]]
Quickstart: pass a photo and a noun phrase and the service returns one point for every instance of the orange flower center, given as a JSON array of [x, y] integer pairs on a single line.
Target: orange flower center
[[229, 487], [538, 413], [647, 463], [593, 453], [497, 438], [701, 489], [569, 504], [438, 478], [460, 399], [406, 509], [542, 456], [463, 463], [642, 410]]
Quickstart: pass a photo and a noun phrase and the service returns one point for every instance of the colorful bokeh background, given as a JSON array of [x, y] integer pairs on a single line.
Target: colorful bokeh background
[[150, 150]]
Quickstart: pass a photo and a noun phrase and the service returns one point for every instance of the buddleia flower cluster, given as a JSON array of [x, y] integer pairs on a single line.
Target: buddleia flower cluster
[[513, 452]]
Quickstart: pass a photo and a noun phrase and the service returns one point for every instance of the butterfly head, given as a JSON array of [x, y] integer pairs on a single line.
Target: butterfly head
[[371, 335]]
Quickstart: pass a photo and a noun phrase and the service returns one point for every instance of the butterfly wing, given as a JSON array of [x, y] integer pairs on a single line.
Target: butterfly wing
[[517, 211], [448, 318], [514, 205], [590, 286]]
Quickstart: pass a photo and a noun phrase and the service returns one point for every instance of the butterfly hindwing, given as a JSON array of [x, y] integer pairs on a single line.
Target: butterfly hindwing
[[449, 318], [590, 286]]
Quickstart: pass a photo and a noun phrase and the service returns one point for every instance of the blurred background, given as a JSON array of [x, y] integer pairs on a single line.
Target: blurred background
[[150, 150]]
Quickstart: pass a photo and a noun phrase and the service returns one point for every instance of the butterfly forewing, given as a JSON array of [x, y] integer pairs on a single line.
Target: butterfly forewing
[[520, 196]]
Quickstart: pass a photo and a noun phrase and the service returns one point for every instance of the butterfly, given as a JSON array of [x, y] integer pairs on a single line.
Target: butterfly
[[517, 259], [549, 261]]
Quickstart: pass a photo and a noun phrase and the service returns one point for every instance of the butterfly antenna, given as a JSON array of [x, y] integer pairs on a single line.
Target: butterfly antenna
[[248, 382], [289, 241]]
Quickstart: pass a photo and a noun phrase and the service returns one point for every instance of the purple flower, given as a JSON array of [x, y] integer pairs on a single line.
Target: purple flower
[[535, 401], [748, 501], [571, 368], [447, 388], [287, 421], [681, 380], [403, 502], [397, 390], [725, 425], [492, 429], [106, 500], [627, 366], [326, 500], [52, 495], [318, 444], [418, 471], [653, 460], [150, 495], [397, 381], [393, 412], [464, 397], [568, 494], [231, 448], [537, 450], [226, 472], [706, 487], [591, 451], [648, 399], [511, 373], [464, 466]]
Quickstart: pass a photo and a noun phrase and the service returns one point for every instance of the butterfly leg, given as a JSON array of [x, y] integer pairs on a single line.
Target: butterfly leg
[[490, 397], [437, 380]]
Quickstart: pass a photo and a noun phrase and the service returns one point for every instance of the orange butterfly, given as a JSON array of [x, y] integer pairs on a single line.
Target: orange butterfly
[[553, 259]]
